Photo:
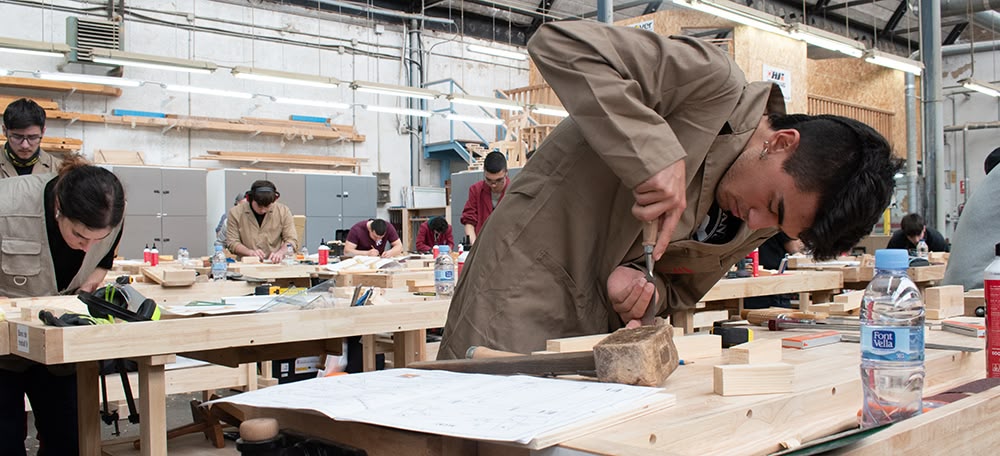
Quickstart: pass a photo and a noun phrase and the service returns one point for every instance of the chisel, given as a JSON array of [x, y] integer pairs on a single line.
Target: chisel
[[649, 232]]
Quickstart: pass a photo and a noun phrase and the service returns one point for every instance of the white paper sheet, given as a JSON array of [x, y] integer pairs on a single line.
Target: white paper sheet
[[485, 407]]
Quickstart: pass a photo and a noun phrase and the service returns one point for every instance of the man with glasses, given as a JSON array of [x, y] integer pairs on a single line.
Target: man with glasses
[[24, 126], [484, 196]]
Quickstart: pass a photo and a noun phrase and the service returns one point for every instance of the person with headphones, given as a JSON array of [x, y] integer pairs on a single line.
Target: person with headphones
[[58, 236], [260, 226]]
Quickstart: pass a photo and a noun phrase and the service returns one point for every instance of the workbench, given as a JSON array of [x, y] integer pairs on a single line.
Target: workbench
[[826, 398], [228, 340], [728, 294]]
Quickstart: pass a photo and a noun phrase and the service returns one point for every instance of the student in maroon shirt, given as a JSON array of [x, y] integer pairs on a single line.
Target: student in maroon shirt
[[434, 232], [485, 195], [370, 237]]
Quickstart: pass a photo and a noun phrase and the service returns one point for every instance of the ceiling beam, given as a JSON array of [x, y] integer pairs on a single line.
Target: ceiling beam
[[652, 7], [624, 6], [893, 21], [955, 32], [828, 7], [543, 7]]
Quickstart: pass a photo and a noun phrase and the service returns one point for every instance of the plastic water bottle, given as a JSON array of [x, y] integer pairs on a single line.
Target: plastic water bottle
[[183, 256], [444, 272], [219, 265], [892, 342], [922, 250], [992, 293], [290, 255]]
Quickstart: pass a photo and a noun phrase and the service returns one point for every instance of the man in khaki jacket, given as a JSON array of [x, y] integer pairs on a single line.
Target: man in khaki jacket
[[662, 129], [260, 226], [24, 127]]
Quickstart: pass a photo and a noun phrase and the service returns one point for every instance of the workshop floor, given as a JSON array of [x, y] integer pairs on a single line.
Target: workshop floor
[[178, 414]]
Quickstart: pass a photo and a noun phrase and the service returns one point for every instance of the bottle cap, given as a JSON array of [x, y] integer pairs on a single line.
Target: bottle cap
[[892, 259], [218, 248], [444, 249]]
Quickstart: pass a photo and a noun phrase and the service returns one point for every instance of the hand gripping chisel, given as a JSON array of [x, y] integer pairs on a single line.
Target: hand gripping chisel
[[649, 232]]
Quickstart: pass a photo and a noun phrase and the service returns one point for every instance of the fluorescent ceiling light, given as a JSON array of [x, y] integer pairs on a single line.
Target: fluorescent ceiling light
[[155, 62], [827, 40], [402, 111], [497, 52], [283, 77], [207, 91], [316, 103], [472, 119], [89, 79], [897, 63], [547, 110], [739, 14], [982, 87], [394, 90], [498, 103], [29, 47]]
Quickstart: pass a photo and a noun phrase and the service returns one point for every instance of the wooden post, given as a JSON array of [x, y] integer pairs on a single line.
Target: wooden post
[[88, 403], [153, 404], [368, 352]]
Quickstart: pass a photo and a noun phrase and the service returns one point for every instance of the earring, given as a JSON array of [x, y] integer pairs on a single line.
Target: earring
[[763, 152]]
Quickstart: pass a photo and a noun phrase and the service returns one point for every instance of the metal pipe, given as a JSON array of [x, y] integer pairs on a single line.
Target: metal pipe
[[973, 126], [605, 11], [930, 38], [911, 145], [962, 7]]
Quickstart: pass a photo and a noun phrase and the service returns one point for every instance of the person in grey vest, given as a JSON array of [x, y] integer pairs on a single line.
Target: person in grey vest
[[57, 236], [977, 232]]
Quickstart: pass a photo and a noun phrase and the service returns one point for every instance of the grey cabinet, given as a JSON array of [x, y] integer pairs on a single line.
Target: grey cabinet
[[335, 203], [165, 206]]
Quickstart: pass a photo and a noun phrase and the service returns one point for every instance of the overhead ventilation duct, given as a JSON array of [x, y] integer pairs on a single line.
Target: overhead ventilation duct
[[85, 35]]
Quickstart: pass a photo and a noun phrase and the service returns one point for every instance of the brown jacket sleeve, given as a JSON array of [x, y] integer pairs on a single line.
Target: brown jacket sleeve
[[288, 233], [621, 84], [233, 228]]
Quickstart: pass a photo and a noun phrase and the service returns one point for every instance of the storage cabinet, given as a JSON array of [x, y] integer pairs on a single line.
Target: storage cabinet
[[335, 203], [165, 206]]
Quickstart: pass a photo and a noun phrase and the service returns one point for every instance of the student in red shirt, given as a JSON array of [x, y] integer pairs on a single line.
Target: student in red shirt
[[485, 195], [434, 232], [371, 238]]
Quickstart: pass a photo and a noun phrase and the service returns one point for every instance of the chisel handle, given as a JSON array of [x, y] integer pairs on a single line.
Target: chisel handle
[[649, 232]]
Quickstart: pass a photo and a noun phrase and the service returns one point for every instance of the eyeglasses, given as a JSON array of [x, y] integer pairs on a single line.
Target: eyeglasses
[[495, 182], [18, 139]]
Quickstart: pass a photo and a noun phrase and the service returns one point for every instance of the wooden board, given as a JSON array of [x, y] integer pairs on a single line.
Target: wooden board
[[59, 86], [573, 344], [791, 282], [170, 276], [747, 379], [698, 346], [119, 157]]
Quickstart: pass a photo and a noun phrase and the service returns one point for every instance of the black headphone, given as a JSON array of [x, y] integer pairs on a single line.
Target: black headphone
[[265, 189]]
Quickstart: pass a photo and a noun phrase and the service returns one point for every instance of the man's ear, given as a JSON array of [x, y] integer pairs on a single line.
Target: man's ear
[[43, 131], [785, 141]]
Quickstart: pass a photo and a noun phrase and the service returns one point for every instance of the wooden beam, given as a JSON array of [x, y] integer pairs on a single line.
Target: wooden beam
[[573, 344], [698, 346], [747, 379], [59, 86]]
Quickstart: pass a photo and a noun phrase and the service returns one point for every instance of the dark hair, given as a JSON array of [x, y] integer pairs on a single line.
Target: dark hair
[[437, 224], [89, 194], [23, 113], [992, 160], [263, 192], [850, 166], [495, 162], [912, 225], [379, 227]]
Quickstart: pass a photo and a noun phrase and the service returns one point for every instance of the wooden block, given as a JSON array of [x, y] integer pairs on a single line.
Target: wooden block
[[641, 356], [706, 318], [824, 307], [846, 302], [573, 344], [944, 296], [973, 299], [177, 277], [760, 351], [748, 379], [938, 257], [926, 273], [698, 346], [250, 260]]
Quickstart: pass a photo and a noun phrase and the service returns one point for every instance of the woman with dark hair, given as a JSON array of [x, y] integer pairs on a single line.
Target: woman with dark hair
[[58, 235]]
